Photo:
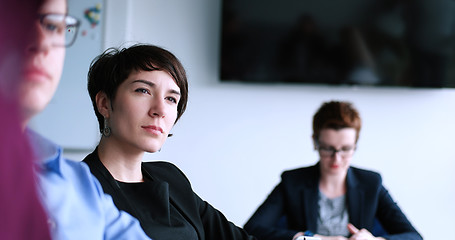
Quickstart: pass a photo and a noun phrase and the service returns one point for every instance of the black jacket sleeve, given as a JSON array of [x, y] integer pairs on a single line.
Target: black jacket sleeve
[[393, 219], [269, 220]]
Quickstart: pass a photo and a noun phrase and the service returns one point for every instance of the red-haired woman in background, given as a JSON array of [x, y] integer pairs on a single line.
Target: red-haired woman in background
[[332, 199]]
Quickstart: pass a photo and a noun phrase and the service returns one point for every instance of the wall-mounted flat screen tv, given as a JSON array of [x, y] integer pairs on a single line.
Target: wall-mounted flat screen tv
[[352, 42]]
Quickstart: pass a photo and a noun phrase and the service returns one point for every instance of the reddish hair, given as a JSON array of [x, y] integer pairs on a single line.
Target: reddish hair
[[336, 115]]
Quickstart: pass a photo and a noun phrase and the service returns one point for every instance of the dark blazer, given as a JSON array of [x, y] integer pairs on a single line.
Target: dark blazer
[[295, 200], [208, 222]]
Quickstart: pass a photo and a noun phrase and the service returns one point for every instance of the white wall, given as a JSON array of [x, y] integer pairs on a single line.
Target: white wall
[[235, 139]]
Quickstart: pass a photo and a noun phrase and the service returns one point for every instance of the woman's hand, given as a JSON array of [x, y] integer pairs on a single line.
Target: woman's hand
[[361, 234], [298, 235], [357, 234]]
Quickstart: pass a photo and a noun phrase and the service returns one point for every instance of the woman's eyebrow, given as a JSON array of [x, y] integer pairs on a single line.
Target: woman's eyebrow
[[174, 92], [151, 84]]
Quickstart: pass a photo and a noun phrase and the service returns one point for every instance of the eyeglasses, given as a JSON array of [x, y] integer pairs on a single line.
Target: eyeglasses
[[60, 28], [331, 151]]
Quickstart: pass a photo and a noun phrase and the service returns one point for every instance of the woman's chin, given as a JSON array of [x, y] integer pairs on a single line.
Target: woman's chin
[[152, 150]]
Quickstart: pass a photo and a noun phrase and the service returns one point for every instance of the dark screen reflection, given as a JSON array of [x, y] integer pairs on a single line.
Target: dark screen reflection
[[358, 42]]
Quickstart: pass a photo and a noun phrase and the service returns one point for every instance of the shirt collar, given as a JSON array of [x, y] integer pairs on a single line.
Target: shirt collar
[[47, 154]]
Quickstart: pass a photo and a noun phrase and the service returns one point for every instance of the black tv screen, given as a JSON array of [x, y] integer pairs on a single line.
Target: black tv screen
[[352, 42]]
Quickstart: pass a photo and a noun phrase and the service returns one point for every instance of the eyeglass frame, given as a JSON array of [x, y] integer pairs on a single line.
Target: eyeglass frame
[[66, 18], [331, 151]]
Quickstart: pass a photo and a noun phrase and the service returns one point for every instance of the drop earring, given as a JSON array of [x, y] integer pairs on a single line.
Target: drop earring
[[106, 130]]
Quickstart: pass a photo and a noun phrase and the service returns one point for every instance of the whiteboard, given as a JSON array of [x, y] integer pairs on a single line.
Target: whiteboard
[[69, 119]]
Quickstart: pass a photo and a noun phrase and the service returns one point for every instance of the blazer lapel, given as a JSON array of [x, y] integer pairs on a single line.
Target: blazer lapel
[[355, 196], [182, 207], [310, 196], [310, 203]]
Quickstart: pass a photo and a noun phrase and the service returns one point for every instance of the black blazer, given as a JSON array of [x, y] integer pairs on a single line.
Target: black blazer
[[208, 221], [295, 199]]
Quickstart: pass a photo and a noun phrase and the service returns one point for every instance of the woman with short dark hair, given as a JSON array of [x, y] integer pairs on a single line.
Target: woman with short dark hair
[[138, 94]]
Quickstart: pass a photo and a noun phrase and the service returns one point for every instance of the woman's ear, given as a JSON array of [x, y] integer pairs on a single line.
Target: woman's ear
[[103, 103]]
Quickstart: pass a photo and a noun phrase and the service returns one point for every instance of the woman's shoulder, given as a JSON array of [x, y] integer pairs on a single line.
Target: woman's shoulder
[[160, 166], [163, 168], [308, 175], [300, 171], [365, 175], [364, 172]]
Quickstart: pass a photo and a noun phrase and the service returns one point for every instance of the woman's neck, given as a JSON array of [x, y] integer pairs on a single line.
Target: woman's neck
[[122, 163], [333, 186]]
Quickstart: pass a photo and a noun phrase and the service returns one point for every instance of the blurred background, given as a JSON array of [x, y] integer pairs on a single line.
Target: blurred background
[[236, 137]]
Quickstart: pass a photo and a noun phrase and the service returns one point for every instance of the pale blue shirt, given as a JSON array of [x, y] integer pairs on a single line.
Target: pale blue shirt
[[76, 205]]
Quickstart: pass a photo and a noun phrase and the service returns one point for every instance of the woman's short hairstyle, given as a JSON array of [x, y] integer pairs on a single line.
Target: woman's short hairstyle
[[111, 68], [336, 115]]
